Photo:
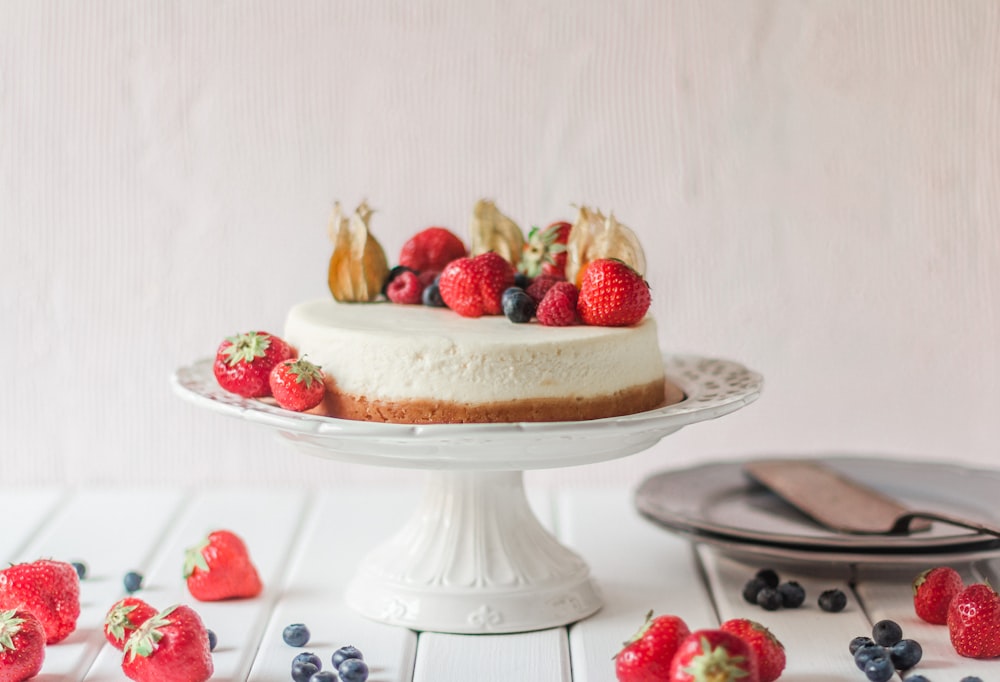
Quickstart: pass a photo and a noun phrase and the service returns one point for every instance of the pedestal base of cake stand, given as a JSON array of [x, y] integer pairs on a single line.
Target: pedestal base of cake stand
[[474, 558]]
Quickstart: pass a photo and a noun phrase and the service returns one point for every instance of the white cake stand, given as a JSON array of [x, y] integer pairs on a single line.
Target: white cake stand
[[473, 558]]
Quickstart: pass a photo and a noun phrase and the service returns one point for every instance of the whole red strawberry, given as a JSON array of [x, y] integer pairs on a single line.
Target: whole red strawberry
[[124, 618], [431, 249], [22, 645], [646, 656], [558, 307], [244, 362], [933, 591], [612, 294], [769, 650], [297, 384], [974, 622], [49, 589], [545, 251], [714, 656], [473, 287], [172, 646], [220, 568]]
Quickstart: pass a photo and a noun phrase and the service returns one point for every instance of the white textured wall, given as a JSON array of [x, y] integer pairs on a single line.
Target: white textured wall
[[817, 185]]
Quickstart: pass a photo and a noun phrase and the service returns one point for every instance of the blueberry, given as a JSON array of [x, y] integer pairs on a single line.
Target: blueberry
[[921, 678], [353, 670], [769, 599], [324, 676], [344, 653], [969, 678], [859, 642], [213, 640], [132, 581], [867, 652], [833, 600], [769, 576], [905, 654], [303, 672], [295, 634], [887, 632], [395, 272], [80, 568], [879, 669], [308, 657], [792, 594], [431, 296], [517, 305], [751, 588]]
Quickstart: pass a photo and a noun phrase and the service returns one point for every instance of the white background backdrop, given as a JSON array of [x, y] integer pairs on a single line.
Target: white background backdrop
[[817, 186]]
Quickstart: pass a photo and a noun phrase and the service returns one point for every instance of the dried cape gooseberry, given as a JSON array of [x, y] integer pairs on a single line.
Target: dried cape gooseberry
[[491, 230], [358, 266], [595, 236]]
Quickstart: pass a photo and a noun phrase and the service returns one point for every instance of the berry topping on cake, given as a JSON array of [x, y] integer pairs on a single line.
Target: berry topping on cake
[[405, 288], [431, 295], [545, 251], [431, 250], [124, 618], [493, 231], [358, 266], [297, 385], [220, 568], [595, 236], [244, 362], [22, 645], [474, 286], [49, 589], [558, 308], [172, 645], [517, 305], [612, 294]]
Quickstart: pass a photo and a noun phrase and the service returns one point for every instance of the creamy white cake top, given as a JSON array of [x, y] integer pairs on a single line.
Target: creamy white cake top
[[392, 351]]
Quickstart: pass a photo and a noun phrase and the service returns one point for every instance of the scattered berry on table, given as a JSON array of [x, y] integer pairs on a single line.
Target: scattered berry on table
[[769, 599], [612, 294], [213, 640], [431, 296], [974, 622], [405, 289], [858, 642], [219, 567], [793, 595], [123, 618], [49, 589], [559, 306], [905, 654], [303, 671], [22, 644], [517, 305], [172, 645], [751, 588], [769, 576], [308, 657], [887, 632], [132, 581], [648, 653], [243, 362], [921, 678], [296, 634], [297, 384], [867, 652], [431, 249], [713, 654], [353, 670], [80, 568], [968, 678], [933, 590], [769, 650], [394, 272], [344, 653], [879, 669], [832, 600], [323, 676]]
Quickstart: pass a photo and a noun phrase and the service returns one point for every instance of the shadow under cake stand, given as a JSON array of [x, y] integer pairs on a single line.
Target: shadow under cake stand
[[473, 557]]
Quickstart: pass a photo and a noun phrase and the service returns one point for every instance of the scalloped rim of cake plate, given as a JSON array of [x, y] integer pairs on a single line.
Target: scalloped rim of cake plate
[[702, 379]]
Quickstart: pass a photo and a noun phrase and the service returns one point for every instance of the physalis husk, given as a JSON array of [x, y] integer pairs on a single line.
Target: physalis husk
[[595, 236], [358, 266], [493, 231]]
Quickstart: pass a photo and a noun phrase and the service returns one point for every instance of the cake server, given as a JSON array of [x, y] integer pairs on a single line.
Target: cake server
[[845, 505]]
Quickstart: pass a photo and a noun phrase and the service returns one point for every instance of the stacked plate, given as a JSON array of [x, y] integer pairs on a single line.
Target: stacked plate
[[718, 505]]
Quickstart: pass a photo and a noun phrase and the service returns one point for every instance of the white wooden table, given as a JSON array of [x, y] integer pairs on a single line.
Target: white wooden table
[[306, 544]]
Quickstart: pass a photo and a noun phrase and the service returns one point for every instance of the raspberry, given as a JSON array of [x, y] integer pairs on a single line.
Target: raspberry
[[405, 288], [539, 286], [558, 307]]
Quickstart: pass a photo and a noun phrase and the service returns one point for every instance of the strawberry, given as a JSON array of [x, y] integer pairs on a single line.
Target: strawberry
[[22, 645], [220, 568], [124, 618], [545, 251], [405, 288], [646, 656], [172, 646], [297, 384], [769, 650], [473, 287], [244, 362], [49, 589], [714, 656], [558, 307], [431, 249], [612, 294], [974, 622], [933, 591]]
